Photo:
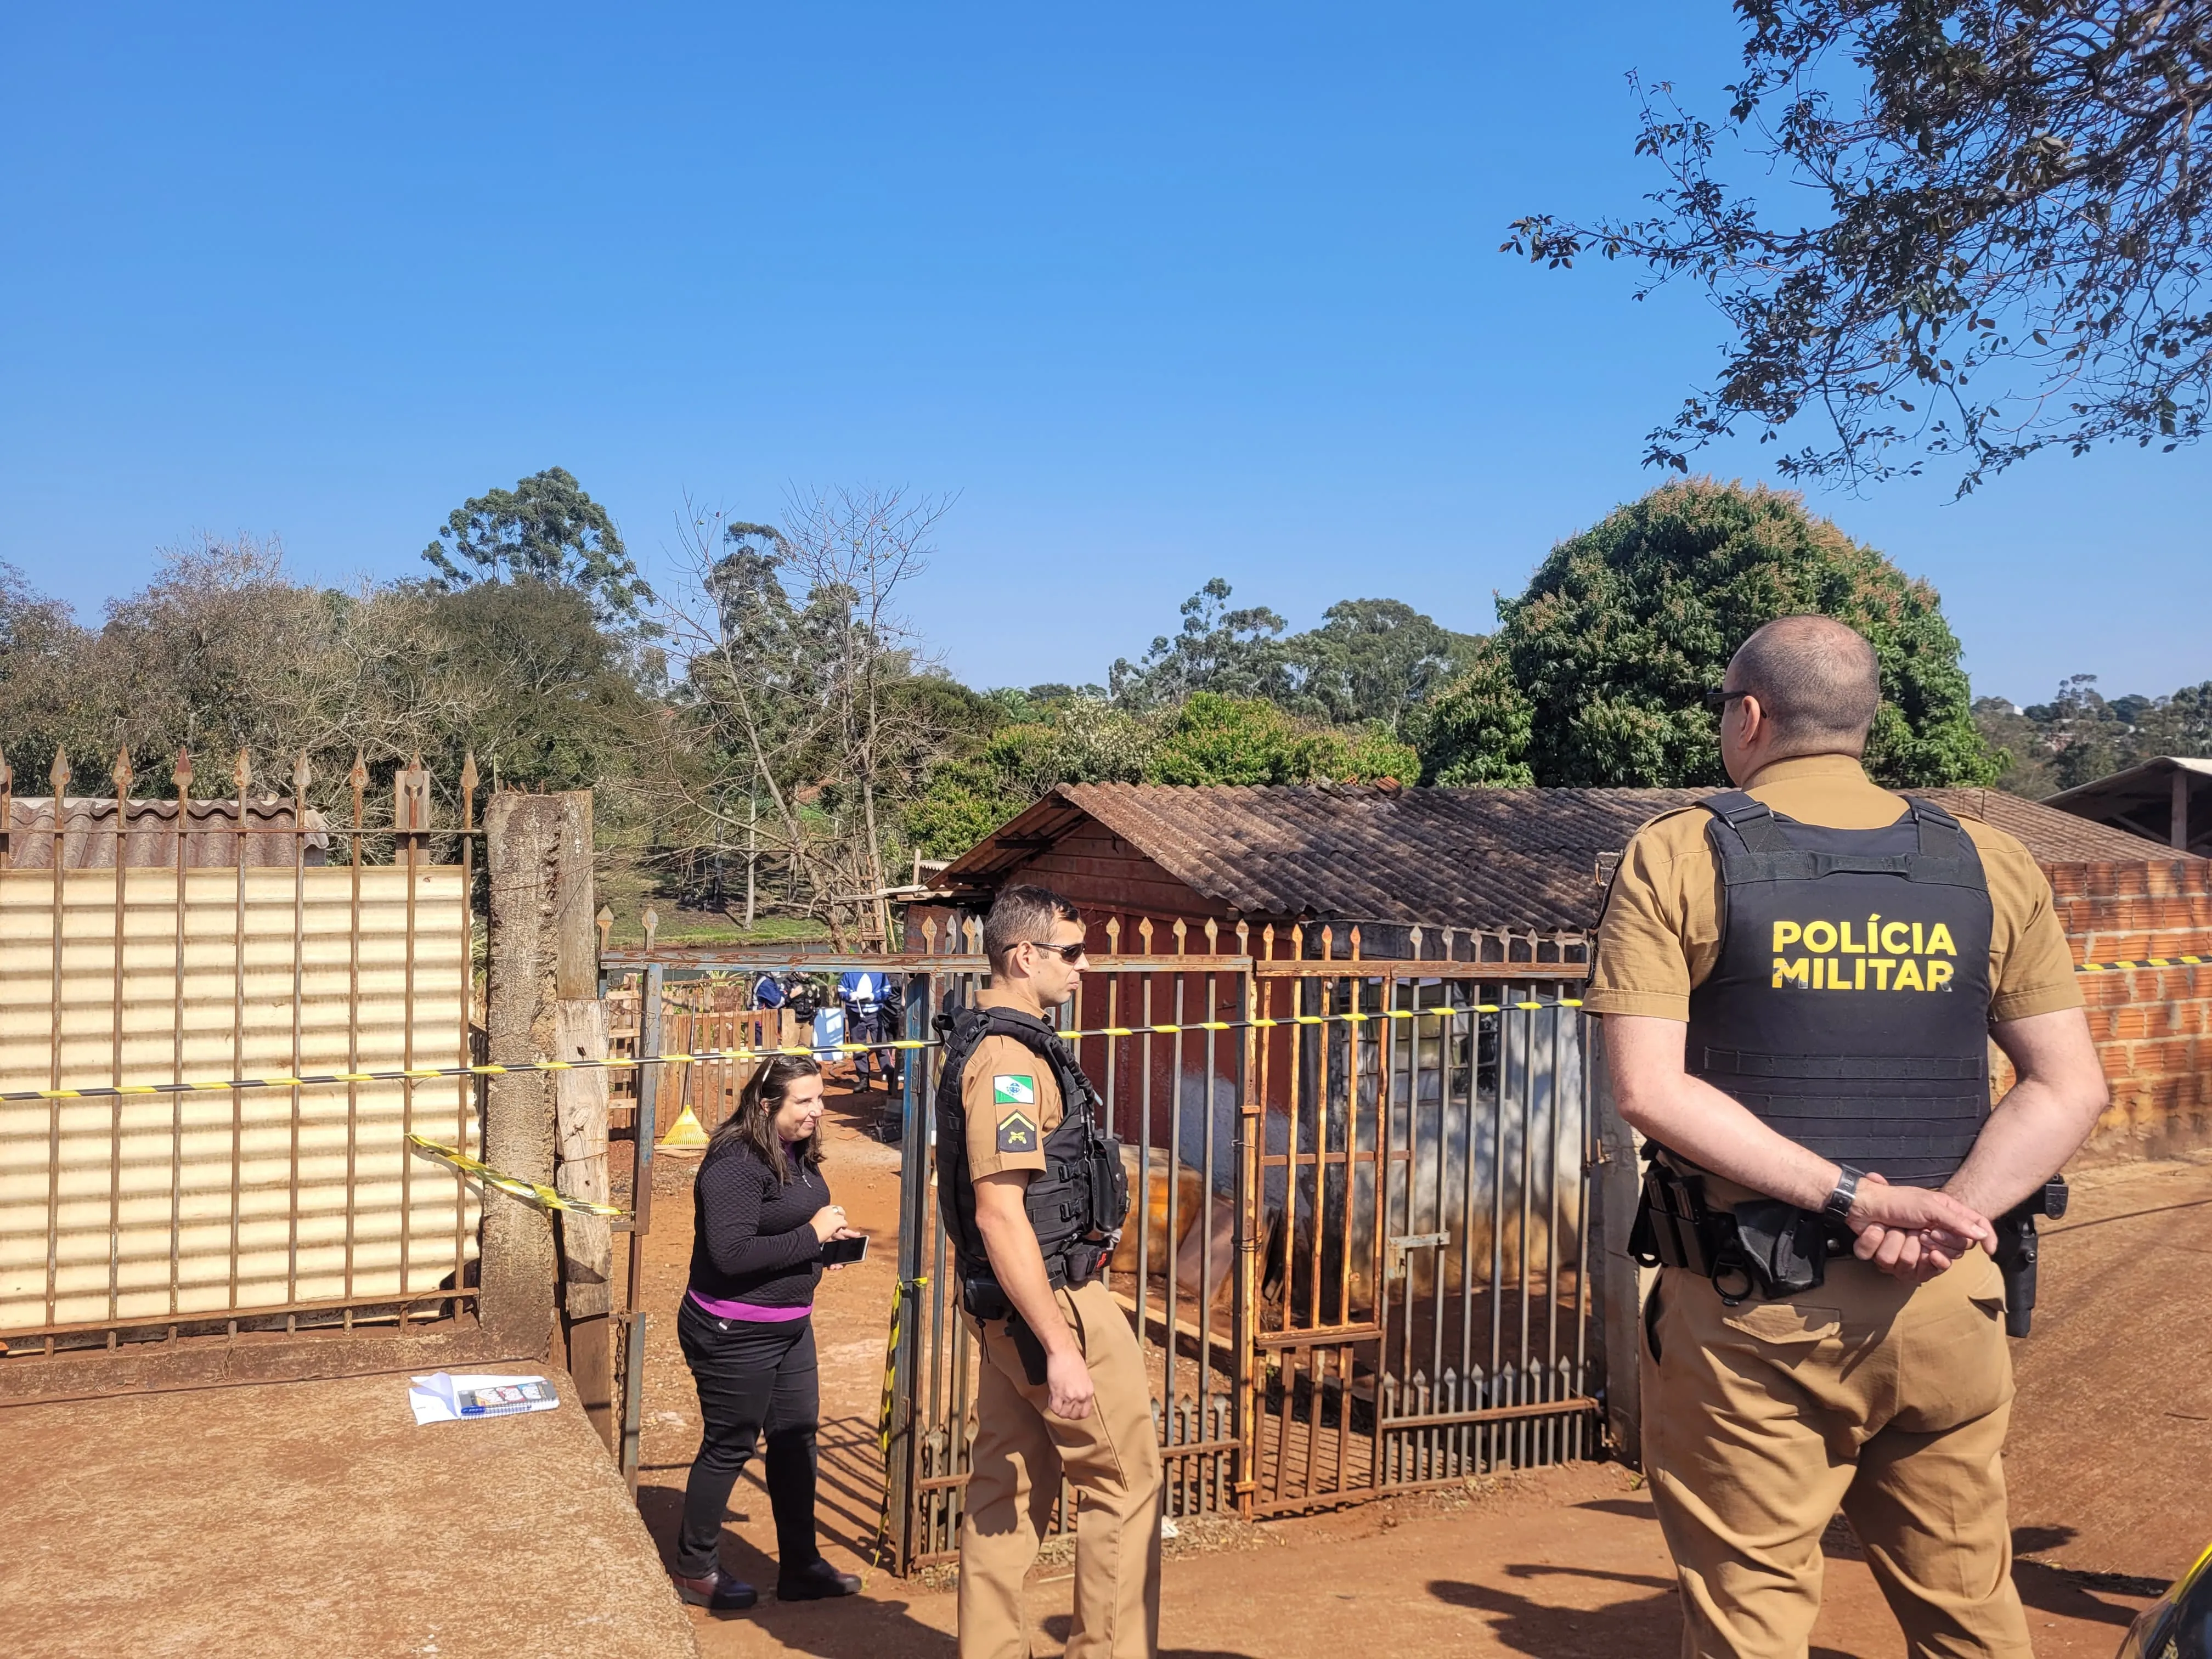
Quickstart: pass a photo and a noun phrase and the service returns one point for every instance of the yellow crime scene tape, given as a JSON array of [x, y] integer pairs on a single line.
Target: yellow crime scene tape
[[900, 1291], [2148, 962], [708, 1056], [530, 1192]]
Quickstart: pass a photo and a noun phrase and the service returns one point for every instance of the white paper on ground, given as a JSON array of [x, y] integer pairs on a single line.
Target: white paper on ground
[[435, 1398]]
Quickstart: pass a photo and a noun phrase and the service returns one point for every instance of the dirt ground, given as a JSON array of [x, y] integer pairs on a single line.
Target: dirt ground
[[2112, 1435], [292, 1518]]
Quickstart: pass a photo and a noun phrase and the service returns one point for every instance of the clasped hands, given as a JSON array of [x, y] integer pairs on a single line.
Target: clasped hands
[[1911, 1233]]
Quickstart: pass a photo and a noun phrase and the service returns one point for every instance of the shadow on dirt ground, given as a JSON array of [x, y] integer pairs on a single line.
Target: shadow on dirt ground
[[1557, 1564]]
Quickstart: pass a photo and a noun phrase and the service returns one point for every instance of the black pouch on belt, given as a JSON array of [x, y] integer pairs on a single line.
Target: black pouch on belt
[[981, 1296], [1674, 1227]]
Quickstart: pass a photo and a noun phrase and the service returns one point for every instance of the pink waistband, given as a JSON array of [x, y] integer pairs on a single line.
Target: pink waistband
[[749, 1310]]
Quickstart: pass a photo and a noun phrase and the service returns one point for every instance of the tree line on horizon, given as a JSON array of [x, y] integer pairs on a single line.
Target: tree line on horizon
[[771, 737]]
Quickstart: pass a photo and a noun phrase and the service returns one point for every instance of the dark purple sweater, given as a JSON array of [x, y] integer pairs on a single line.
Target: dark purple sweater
[[750, 1240]]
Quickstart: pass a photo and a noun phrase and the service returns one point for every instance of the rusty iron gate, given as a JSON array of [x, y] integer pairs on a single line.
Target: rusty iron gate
[[147, 945], [1357, 1257]]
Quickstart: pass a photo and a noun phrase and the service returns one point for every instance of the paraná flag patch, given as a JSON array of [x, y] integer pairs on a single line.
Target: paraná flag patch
[[1015, 1090]]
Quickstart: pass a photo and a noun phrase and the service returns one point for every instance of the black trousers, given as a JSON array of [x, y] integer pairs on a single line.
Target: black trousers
[[753, 1380]]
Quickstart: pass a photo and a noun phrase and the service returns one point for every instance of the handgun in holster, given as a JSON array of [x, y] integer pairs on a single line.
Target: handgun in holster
[[984, 1298], [1763, 1250], [2016, 1250]]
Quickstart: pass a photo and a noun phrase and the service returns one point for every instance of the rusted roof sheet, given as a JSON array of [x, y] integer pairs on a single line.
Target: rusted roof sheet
[[1524, 859], [212, 838]]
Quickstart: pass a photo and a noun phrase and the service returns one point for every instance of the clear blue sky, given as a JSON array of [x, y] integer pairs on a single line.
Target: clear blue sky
[[1160, 293]]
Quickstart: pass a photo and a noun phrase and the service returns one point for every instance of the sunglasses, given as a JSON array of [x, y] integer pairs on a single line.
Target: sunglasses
[[1719, 701], [1070, 954]]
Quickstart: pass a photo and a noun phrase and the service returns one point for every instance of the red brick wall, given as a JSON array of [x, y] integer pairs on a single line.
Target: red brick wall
[[2152, 1026]]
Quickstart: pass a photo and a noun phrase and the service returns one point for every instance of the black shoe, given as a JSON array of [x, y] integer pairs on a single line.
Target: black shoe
[[717, 1592], [817, 1582]]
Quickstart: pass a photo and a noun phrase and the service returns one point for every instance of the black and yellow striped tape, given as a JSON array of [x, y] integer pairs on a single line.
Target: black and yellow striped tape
[[530, 1192], [2148, 962], [706, 1056]]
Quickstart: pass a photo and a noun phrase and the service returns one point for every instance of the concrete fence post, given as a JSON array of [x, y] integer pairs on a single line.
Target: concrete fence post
[[537, 859]]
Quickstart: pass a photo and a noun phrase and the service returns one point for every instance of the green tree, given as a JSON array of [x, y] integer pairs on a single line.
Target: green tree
[[1375, 659], [2004, 246], [1214, 739], [1625, 626], [546, 529], [1475, 732], [2022, 746], [1238, 653]]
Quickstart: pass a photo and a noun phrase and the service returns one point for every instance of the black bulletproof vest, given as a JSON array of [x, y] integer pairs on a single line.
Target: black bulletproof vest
[[1079, 1198], [1850, 1008]]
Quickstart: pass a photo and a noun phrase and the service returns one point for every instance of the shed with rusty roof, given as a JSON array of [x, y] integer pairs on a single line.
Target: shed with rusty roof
[[1508, 873]]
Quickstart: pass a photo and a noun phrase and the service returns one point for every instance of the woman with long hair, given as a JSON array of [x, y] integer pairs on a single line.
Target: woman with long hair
[[761, 1214]]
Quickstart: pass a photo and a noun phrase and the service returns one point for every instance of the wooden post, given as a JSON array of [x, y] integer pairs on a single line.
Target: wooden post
[[1620, 1284], [538, 853]]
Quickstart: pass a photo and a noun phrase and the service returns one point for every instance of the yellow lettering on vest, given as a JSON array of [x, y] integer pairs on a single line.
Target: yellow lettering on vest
[[1939, 976], [1881, 965], [1794, 971], [1939, 942], [1919, 945], [1785, 935], [1820, 937], [1908, 974], [1894, 937], [1850, 949], [1858, 975], [1838, 978]]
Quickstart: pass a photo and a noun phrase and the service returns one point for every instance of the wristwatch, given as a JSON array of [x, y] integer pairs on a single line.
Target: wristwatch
[[1847, 1191]]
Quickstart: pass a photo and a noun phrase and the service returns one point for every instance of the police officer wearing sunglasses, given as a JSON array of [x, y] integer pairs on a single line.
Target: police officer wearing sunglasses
[[1798, 980], [1033, 1197]]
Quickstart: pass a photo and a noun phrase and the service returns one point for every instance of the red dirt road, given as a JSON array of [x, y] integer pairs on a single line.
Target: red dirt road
[[1566, 1563]]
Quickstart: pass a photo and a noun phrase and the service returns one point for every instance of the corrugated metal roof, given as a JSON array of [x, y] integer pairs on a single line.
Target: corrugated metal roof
[[1524, 858]]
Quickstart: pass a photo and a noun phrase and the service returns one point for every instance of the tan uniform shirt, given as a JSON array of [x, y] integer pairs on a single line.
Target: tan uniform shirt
[[1660, 933], [1011, 1100]]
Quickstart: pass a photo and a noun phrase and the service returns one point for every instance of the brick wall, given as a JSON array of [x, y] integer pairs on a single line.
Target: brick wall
[[2152, 1026]]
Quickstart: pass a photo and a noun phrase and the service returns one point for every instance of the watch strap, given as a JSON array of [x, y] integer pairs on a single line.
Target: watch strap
[[1839, 1201]]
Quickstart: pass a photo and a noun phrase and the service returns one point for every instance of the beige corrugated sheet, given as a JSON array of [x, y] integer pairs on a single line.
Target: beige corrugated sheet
[[170, 1172]]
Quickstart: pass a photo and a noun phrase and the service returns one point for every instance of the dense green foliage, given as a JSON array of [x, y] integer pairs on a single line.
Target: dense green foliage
[[773, 738], [547, 530], [1595, 676], [2078, 735], [1208, 738]]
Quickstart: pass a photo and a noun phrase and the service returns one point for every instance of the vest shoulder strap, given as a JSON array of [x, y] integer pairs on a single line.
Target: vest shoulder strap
[[1750, 822]]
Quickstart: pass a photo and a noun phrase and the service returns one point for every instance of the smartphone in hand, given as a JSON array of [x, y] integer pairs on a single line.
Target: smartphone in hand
[[837, 1252]]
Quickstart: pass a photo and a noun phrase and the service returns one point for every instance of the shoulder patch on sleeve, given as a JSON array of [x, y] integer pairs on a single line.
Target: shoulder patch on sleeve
[[1017, 1133], [1013, 1088]]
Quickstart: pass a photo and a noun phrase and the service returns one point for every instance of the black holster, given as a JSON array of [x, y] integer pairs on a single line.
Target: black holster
[[2016, 1250], [1762, 1251]]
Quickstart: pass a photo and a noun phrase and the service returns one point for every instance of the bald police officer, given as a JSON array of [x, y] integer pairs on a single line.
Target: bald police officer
[[1033, 1197], [1798, 979]]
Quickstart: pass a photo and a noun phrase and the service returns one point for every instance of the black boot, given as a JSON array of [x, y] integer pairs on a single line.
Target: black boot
[[717, 1592], [816, 1582]]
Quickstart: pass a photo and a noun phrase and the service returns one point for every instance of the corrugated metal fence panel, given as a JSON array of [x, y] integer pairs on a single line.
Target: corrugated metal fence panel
[[260, 1199]]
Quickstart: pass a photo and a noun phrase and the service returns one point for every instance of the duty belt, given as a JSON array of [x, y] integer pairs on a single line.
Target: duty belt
[[1760, 1251]]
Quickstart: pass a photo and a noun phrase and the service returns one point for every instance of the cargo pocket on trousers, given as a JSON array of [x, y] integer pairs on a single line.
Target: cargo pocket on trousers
[[1786, 1324]]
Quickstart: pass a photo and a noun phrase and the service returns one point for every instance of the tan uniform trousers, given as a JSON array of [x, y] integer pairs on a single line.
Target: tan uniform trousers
[[1112, 1460], [1761, 1421]]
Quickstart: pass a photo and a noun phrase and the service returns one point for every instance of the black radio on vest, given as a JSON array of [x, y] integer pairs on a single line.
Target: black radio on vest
[[1075, 1203], [1850, 1006]]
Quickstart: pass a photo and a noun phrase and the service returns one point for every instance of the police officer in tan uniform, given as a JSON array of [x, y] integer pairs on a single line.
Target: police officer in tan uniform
[[1033, 1196], [1798, 981]]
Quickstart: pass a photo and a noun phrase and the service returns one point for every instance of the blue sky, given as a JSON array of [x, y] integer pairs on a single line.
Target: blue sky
[[1157, 294]]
